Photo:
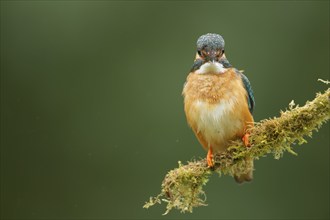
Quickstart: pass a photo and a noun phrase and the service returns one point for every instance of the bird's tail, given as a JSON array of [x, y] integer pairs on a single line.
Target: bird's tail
[[247, 175]]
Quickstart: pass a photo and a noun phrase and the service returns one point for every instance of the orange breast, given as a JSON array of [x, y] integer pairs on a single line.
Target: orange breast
[[216, 108]]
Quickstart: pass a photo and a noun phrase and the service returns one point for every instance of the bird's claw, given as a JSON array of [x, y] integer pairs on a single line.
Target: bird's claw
[[245, 140], [209, 158]]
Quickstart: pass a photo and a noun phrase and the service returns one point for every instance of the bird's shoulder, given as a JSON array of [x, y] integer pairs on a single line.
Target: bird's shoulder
[[248, 88]]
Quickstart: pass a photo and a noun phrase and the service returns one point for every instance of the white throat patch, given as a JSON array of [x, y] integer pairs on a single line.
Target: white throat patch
[[209, 67]]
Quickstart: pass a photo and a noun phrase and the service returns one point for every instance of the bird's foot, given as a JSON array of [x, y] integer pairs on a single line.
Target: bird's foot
[[209, 158], [245, 140]]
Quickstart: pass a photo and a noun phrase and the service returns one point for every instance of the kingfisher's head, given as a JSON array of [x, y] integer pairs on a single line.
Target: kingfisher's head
[[210, 55], [210, 47]]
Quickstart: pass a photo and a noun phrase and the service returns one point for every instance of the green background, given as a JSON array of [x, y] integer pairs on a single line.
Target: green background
[[92, 113]]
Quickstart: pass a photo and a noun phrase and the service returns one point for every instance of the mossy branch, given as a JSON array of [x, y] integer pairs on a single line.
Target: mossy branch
[[182, 187]]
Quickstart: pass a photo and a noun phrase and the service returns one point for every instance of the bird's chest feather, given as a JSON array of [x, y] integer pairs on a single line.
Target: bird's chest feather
[[215, 105]]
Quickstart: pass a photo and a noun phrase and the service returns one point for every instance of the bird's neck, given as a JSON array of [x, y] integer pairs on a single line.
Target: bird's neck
[[205, 67], [211, 67]]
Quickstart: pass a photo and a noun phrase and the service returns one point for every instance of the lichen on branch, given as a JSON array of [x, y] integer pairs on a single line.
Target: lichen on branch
[[182, 187]]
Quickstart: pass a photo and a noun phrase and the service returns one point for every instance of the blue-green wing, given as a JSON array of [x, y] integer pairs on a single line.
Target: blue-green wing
[[249, 91]]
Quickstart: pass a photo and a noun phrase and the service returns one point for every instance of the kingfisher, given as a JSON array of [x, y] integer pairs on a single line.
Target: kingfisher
[[218, 101]]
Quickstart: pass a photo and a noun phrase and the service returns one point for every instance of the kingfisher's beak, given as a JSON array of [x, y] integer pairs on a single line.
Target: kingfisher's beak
[[212, 56]]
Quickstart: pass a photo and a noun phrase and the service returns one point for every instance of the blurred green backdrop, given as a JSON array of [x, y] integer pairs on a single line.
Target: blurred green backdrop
[[92, 114]]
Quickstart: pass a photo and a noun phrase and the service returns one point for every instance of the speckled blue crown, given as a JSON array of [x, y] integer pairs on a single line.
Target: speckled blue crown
[[210, 41]]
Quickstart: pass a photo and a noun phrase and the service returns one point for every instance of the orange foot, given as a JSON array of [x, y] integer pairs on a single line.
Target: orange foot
[[245, 140], [209, 158]]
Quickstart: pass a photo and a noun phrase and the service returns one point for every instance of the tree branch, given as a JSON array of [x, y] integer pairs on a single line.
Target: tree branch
[[182, 188]]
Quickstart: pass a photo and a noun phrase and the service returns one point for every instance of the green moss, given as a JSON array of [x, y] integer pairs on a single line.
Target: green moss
[[182, 187]]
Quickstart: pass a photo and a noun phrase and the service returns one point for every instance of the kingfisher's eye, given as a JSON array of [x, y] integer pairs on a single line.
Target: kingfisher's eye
[[199, 52]]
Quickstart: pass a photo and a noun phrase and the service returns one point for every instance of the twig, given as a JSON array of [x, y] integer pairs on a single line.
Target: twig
[[182, 187]]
